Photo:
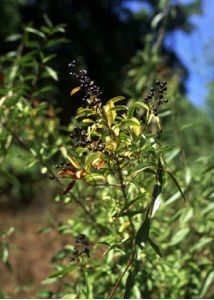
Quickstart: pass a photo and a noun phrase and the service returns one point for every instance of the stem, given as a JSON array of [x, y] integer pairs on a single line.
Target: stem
[[120, 175], [123, 188], [162, 29], [122, 275]]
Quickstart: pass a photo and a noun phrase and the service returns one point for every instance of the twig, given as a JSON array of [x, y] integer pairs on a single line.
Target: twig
[[121, 276]]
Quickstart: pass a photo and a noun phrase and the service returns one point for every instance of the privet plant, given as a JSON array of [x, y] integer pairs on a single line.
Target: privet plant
[[185, 234], [29, 129], [116, 172], [131, 233]]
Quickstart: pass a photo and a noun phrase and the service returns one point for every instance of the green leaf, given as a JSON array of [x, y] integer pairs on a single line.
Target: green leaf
[[5, 252], [70, 296], [94, 177], [143, 105], [201, 243], [49, 281], [119, 107], [48, 58], [207, 284], [155, 205], [155, 247], [13, 37], [131, 111], [179, 236], [172, 154], [62, 272], [90, 159], [74, 162], [207, 209], [10, 231], [116, 99], [156, 200], [156, 20], [131, 122], [110, 115], [35, 31], [176, 183], [143, 232], [129, 285], [52, 73], [136, 128], [82, 112]]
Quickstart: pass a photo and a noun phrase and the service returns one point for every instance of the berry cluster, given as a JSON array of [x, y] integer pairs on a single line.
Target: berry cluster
[[80, 138], [92, 91], [81, 248], [65, 166], [156, 95]]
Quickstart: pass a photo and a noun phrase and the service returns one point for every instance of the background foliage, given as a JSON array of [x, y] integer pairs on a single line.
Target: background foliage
[[125, 54]]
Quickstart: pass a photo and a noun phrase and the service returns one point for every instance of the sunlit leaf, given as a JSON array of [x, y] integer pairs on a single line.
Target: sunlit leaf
[[201, 243], [73, 161], [136, 128], [157, 121], [35, 31], [116, 99], [5, 252], [94, 178], [52, 73], [179, 236], [68, 172], [62, 272], [75, 90], [209, 279], [110, 115], [88, 120]]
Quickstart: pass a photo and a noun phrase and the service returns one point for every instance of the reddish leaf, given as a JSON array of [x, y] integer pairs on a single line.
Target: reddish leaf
[[69, 187], [99, 165], [61, 173]]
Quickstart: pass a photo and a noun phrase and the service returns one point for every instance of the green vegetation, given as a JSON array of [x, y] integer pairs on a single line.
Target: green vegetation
[[136, 169]]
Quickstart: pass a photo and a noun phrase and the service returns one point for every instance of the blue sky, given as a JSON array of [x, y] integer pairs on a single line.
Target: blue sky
[[195, 50]]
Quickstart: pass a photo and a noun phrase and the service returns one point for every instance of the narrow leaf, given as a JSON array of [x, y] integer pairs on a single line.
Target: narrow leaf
[[69, 187], [5, 252], [52, 73], [179, 236], [75, 90], [116, 99], [129, 285], [176, 183], [74, 162], [155, 247], [143, 232], [207, 284], [62, 272]]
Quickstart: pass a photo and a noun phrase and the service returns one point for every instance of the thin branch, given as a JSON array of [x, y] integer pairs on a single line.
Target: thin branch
[[122, 275]]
